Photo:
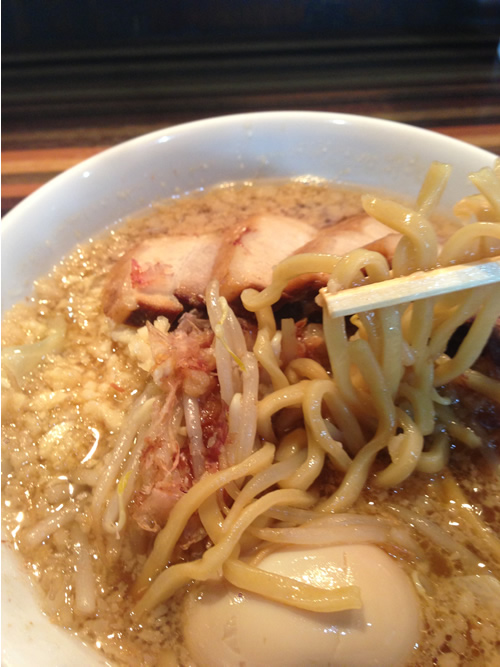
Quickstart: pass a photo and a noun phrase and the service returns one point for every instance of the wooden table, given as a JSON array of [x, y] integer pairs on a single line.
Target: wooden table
[[60, 110]]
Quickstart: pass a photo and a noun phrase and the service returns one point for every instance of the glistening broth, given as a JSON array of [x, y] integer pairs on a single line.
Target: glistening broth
[[62, 415]]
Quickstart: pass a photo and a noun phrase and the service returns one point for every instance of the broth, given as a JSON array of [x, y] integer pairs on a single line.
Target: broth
[[60, 423]]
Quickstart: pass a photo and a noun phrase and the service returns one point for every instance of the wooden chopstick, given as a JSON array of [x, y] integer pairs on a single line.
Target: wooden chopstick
[[419, 285]]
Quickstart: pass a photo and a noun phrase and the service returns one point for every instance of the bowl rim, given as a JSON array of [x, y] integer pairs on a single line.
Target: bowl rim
[[56, 185], [60, 180]]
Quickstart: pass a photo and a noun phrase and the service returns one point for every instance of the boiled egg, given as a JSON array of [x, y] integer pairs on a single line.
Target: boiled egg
[[227, 627]]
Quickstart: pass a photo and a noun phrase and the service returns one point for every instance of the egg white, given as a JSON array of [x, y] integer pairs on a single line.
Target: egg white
[[227, 627]]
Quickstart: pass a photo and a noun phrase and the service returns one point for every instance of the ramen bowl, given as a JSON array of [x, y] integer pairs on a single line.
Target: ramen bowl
[[94, 195]]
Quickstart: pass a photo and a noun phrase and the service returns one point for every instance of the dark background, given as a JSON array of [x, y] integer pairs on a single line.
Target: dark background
[[48, 26], [86, 67]]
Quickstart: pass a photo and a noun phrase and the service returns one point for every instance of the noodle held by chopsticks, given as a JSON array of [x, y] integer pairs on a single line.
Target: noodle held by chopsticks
[[377, 399]]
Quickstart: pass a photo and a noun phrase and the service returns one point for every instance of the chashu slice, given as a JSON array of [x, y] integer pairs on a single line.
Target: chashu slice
[[354, 232], [386, 245], [357, 231], [251, 250], [160, 276]]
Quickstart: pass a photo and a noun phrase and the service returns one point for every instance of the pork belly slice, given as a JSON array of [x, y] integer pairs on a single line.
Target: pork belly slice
[[163, 275], [357, 231], [160, 276], [251, 250], [386, 246], [348, 234]]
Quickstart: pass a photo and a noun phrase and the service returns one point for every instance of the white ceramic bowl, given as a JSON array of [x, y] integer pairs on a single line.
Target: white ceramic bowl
[[87, 198]]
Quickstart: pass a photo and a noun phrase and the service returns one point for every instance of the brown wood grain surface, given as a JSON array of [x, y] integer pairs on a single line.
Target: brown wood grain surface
[[57, 112]]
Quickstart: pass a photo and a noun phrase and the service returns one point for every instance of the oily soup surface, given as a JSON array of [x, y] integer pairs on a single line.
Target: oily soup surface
[[59, 423]]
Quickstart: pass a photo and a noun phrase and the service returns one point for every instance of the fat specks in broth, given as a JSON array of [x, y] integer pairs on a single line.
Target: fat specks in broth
[[60, 419]]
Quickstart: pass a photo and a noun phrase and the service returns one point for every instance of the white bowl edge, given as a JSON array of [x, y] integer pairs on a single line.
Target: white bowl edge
[[123, 179]]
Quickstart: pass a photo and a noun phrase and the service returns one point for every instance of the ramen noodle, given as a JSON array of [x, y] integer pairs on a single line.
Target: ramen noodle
[[171, 454]]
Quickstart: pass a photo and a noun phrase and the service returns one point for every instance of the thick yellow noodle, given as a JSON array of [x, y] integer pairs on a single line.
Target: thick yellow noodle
[[380, 392]]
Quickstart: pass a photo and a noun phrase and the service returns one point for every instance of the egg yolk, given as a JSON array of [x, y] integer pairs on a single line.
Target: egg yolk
[[226, 627]]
